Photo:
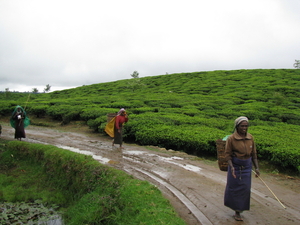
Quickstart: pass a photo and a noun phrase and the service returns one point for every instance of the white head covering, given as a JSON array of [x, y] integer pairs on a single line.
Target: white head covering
[[239, 120], [121, 110]]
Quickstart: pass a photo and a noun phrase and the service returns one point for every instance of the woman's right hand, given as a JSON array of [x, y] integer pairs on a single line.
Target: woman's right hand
[[231, 168], [233, 171]]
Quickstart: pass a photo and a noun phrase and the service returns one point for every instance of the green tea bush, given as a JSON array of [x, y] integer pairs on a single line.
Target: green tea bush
[[97, 124], [37, 110], [290, 118], [65, 113], [94, 112], [6, 107], [167, 104], [279, 144], [143, 110]]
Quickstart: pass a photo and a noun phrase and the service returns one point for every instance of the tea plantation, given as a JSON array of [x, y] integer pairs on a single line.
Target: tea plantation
[[186, 111]]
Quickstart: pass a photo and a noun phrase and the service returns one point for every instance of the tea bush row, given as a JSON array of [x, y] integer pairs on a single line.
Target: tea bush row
[[168, 107]]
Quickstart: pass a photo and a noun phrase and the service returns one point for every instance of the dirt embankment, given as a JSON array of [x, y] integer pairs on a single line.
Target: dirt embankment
[[194, 186]]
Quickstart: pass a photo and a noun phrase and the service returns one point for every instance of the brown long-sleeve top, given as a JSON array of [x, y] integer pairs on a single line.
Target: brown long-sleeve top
[[236, 146]]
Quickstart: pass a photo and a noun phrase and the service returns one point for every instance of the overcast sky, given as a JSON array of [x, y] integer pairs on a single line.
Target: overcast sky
[[70, 43]]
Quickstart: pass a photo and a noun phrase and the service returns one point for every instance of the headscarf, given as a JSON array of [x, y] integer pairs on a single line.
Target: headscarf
[[16, 109], [26, 119], [120, 112], [239, 120]]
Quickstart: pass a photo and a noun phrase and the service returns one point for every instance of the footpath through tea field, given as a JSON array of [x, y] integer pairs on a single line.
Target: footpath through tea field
[[194, 186]]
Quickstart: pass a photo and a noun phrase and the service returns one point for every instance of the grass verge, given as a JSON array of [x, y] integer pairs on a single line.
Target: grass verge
[[86, 191]]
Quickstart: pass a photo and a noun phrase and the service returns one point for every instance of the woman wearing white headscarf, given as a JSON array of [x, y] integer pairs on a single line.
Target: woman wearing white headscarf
[[121, 118], [240, 152]]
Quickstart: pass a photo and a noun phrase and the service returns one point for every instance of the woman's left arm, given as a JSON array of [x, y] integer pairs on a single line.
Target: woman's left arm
[[255, 161]]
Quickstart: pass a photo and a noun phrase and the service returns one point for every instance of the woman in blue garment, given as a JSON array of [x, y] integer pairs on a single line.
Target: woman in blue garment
[[240, 153]]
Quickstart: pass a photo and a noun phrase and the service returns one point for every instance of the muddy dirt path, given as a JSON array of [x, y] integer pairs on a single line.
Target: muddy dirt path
[[194, 186]]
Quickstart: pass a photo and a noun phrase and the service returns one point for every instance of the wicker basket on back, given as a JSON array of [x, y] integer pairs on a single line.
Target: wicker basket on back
[[223, 164], [110, 116]]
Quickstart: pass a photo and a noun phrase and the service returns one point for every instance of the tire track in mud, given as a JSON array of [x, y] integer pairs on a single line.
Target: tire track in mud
[[194, 210], [212, 205], [194, 188]]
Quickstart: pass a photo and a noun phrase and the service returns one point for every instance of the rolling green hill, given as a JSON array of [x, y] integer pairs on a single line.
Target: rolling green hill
[[186, 111]]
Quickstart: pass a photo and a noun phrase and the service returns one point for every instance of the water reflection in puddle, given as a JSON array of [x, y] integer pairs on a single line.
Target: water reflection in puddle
[[97, 157], [172, 159], [169, 160]]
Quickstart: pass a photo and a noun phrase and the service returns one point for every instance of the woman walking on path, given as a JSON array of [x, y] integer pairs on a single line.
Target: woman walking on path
[[19, 121], [240, 153], [121, 118]]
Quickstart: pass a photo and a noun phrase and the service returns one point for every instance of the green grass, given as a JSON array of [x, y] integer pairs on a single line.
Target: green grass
[[85, 191]]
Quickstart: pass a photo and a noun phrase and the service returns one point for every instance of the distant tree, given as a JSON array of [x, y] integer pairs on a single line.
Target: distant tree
[[297, 64], [47, 88], [135, 83], [6, 92], [135, 74], [35, 90]]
